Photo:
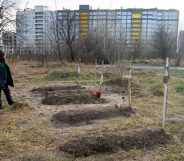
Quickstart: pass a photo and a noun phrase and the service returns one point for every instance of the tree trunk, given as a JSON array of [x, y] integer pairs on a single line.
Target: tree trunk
[[71, 52], [59, 52]]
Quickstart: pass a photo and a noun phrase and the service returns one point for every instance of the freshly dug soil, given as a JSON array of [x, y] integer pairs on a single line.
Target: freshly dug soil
[[78, 117], [73, 98], [102, 143], [52, 89]]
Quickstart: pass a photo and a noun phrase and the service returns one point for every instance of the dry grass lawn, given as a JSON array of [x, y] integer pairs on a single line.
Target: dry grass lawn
[[28, 133]]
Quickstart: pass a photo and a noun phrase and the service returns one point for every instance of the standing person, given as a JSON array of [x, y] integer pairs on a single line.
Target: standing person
[[5, 80]]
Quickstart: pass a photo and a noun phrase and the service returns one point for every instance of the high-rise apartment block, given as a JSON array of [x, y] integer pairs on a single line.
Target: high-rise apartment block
[[134, 26], [33, 28]]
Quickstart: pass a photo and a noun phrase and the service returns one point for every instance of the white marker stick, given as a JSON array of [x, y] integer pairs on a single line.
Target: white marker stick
[[165, 81]]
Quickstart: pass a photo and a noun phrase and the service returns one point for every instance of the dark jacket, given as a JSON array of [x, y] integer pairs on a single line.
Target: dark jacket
[[6, 77], [9, 76]]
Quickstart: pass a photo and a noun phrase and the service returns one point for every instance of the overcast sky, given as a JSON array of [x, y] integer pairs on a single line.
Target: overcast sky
[[74, 4]]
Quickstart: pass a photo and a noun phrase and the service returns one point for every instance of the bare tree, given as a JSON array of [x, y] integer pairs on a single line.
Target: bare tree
[[91, 49], [7, 17], [54, 36], [67, 31], [164, 43], [136, 50]]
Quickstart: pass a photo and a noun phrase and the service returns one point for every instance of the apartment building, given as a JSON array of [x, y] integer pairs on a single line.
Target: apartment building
[[33, 28], [133, 26], [181, 42]]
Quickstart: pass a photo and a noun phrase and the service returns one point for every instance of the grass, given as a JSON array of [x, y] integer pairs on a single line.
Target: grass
[[180, 88], [27, 135], [177, 73], [69, 76], [157, 89]]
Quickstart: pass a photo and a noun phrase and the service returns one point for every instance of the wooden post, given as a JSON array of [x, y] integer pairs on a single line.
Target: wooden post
[[78, 69], [130, 87], [101, 80], [165, 83], [96, 80]]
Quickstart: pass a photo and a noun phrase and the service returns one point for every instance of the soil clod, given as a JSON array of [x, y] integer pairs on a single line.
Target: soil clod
[[51, 89], [78, 117], [81, 98], [141, 138]]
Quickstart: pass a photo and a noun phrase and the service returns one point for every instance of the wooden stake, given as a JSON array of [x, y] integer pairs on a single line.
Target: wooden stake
[[78, 69], [165, 83], [129, 87], [101, 80], [96, 80]]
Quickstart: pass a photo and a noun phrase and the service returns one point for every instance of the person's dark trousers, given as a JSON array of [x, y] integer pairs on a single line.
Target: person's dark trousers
[[8, 96]]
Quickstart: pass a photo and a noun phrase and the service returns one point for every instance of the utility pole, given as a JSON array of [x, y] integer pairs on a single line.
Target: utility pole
[[165, 82]]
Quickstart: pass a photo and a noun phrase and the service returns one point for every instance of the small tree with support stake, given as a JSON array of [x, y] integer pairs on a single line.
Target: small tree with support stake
[[130, 87], [165, 82]]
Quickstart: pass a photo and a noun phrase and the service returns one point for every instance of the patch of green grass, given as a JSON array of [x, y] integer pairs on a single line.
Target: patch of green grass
[[68, 76], [58, 75], [180, 88], [84, 78], [177, 73], [117, 82]]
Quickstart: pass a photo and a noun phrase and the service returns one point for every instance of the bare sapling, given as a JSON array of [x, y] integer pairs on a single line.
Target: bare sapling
[[165, 83], [78, 69], [101, 79], [96, 80], [130, 87], [121, 67]]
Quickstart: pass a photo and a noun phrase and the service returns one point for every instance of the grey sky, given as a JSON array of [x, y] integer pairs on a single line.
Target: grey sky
[[74, 4], [178, 4]]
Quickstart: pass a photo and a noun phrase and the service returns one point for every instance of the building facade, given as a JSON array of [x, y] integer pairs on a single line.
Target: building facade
[[133, 26], [181, 42], [33, 28]]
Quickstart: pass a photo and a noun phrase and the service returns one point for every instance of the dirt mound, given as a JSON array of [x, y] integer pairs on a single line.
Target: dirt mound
[[102, 143], [63, 95], [79, 117], [53, 89], [72, 98]]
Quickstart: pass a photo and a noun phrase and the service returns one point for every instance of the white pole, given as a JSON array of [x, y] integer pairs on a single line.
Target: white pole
[[101, 80], [78, 69], [165, 82], [96, 72], [129, 87]]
